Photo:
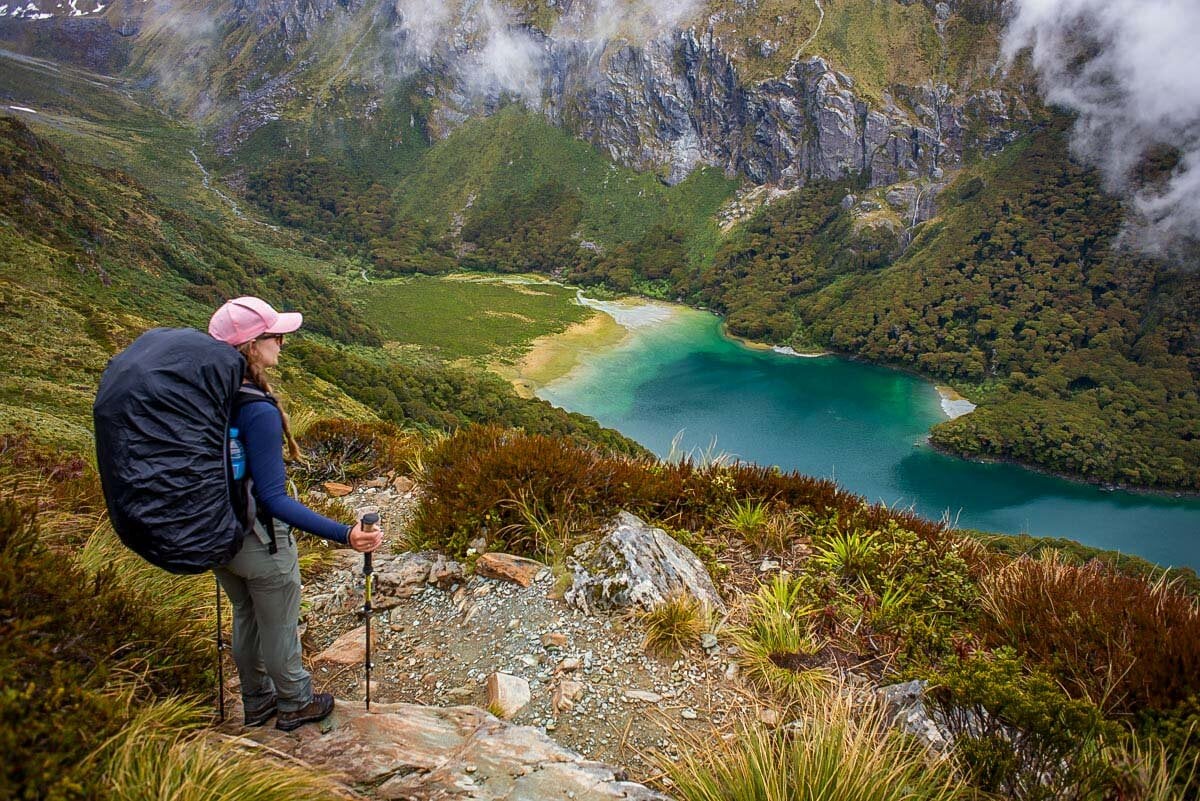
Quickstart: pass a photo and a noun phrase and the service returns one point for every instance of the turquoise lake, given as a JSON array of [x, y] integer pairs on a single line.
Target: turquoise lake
[[861, 425]]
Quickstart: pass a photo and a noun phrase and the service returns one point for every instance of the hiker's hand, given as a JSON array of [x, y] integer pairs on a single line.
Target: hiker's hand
[[365, 541]]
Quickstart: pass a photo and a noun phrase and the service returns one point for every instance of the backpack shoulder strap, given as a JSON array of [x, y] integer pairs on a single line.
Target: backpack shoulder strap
[[247, 394]]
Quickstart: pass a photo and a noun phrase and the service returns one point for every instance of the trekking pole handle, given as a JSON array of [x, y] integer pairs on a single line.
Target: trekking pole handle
[[369, 521]]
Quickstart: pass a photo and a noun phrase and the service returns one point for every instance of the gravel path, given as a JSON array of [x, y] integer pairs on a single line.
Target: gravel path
[[439, 646]]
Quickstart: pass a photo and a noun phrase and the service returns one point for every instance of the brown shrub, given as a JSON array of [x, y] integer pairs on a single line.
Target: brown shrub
[[346, 450], [1127, 644], [472, 478]]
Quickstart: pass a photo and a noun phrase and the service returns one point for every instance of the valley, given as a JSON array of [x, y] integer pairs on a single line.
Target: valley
[[558, 261]]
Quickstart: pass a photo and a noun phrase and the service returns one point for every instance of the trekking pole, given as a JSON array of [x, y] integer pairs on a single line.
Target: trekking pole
[[220, 661], [369, 521]]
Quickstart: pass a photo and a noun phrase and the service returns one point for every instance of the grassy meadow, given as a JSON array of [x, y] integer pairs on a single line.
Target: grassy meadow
[[469, 316]]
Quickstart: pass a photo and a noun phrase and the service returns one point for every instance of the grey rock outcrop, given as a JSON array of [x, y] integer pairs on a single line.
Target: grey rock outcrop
[[637, 565], [421, 753], [905, 703]]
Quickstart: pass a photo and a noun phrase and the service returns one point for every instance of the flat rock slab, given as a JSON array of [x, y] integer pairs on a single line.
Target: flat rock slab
[[422, 753], [508, 567], [350, 648]]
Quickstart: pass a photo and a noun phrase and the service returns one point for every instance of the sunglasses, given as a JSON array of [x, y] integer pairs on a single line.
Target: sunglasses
[[277, 337]]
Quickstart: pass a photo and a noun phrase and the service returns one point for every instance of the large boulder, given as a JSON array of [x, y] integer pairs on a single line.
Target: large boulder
[[421, 753], [637, 565]]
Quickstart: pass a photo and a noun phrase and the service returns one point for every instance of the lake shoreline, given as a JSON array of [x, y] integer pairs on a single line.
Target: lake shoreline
[[1099, 486], [555, 356]]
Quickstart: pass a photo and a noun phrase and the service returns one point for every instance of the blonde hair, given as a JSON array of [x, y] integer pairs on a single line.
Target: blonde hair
[[258, 376]]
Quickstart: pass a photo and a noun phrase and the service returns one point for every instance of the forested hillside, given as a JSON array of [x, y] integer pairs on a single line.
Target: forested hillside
[[92, 258], [1085, 356]]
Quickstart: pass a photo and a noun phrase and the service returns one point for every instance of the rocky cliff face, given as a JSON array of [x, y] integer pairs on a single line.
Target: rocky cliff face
[[678, 102], [669, 103]]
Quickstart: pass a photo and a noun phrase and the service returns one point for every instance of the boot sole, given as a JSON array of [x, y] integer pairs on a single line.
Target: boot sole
[[295, 724]]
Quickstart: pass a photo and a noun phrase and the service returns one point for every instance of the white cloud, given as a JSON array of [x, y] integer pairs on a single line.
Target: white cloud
[[1131, 70], [510, 61]]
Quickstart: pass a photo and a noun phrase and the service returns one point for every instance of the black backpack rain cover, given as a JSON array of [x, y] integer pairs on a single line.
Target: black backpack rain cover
[[162, 421]]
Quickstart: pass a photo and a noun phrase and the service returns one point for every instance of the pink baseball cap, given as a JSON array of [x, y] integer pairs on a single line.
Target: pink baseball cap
[[243, 319]]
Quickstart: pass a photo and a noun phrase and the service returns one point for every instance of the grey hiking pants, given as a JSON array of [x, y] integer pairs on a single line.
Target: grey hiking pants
[[264, 589]]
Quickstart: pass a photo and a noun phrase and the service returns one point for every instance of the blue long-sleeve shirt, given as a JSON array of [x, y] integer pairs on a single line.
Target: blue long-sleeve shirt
[[260, 428]]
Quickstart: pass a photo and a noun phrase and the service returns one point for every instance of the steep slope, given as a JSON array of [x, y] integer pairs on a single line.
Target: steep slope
[[777, 92], [91, 259]]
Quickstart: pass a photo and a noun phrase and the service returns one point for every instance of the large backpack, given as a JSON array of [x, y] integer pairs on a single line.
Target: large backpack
[[162, 417]]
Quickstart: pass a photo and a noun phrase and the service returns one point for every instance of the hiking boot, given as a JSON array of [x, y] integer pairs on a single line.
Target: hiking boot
[[261, 713], [317, 709]]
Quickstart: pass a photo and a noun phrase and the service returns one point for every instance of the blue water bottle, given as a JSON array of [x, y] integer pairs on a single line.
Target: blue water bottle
[[237, 455]]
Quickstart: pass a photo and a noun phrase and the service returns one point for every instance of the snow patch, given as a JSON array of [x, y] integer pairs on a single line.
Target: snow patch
[[23, 108]]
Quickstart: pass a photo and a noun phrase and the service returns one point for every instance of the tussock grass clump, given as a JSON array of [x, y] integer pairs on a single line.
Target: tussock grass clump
[[162, 753], [538, 532], [778, 649], [850, 554], [1126, 643], [188, 601], [839, 749], [674, 625], [63, 485], [1148, 770]]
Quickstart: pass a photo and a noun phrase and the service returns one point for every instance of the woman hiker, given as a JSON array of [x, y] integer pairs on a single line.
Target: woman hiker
[[263, 580]]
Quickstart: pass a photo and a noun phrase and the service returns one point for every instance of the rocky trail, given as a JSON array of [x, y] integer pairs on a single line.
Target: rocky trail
[[487, 684], [576, 689]]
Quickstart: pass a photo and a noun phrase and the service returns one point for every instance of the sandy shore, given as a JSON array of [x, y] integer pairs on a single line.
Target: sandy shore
[[553, 356], [953, 404], [784, 350]]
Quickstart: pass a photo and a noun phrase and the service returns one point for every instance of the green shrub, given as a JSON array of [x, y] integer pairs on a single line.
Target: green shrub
[[1016, 731], [895, 593], [74, 649], [1128, 644]]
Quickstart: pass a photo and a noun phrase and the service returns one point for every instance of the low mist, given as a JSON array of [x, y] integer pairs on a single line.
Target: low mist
[[1130, 69]]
